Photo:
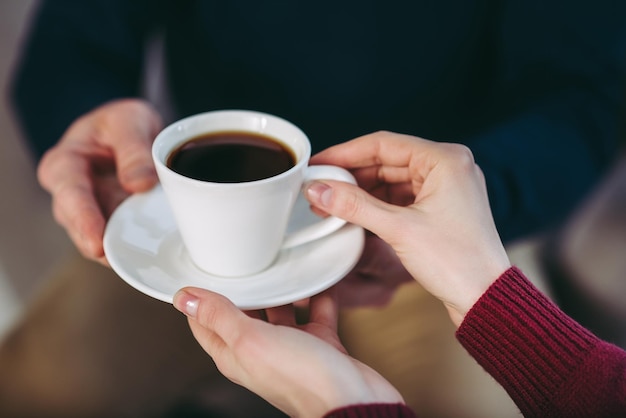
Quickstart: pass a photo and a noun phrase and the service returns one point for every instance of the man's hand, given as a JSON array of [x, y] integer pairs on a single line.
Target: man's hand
[[103, 157]]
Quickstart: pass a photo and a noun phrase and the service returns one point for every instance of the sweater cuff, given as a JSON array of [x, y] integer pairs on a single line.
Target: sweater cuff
[[376, 410], [523, 340]]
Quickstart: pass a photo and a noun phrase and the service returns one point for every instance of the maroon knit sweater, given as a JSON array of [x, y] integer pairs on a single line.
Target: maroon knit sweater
[[550, 365]]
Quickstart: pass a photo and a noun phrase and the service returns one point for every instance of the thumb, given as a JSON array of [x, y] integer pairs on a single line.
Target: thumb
[[212, 311], [131, 135], [351, 203]]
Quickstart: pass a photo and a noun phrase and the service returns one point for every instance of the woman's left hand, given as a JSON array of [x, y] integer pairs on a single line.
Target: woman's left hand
[[302, 369]]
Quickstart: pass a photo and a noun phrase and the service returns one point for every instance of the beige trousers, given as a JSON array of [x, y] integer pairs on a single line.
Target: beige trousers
[[91, 346]]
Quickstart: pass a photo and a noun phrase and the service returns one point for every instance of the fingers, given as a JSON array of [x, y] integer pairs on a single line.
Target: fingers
[[282, 315], [210, 341], [220, 328], [77, 211], [130, 132], [79, 171], [390, 166], [216, 313], [376, 149], [324, 309], [349, 202], [213, 312], [68, 179]]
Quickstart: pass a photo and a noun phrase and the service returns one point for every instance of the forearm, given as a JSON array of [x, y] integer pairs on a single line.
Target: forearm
[[549, 364]]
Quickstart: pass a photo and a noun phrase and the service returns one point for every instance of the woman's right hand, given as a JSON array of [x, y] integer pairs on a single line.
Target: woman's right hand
[[426, 199]]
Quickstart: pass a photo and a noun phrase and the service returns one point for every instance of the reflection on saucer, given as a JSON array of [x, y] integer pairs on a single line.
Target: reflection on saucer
[[144, 248]]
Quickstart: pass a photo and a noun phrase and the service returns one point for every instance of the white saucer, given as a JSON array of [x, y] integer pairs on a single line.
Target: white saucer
[[143, 246]]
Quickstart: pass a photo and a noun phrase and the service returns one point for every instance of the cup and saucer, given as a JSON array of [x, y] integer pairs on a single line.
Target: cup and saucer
[[144, 247]]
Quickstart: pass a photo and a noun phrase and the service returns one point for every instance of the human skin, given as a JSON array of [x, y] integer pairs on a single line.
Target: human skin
[[302, 369], [428, 201], [102, 158]]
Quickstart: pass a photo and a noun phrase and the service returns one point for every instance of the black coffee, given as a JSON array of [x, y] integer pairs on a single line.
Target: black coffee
[[231, 157]]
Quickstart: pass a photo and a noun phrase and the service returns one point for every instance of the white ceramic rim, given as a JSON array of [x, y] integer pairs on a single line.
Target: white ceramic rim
[[159, 155]]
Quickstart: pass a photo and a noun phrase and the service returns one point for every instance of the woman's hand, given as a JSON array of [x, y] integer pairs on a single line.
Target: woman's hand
[[102, 158], [302, 369], [375, 278], [427, 200]]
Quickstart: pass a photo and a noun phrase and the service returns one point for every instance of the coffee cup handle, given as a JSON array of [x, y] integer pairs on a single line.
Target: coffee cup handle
[[327, 225]]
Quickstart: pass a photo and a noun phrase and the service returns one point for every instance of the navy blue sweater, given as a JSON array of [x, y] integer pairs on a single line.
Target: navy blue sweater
[[533, 87]]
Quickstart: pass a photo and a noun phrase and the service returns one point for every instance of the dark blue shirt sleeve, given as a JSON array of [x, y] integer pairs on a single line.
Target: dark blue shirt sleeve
[[78, 55], [547, 120], [565, 65]]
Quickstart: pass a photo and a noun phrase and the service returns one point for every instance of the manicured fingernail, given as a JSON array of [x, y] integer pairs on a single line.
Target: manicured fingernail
[[186, 303], [319, 193]]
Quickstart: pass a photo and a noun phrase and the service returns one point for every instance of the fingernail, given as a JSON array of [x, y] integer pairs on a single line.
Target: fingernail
[[186, 303], [319, 193]]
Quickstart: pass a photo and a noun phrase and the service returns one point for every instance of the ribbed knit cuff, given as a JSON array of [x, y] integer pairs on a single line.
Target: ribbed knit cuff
[[377, 410], [524, 340]]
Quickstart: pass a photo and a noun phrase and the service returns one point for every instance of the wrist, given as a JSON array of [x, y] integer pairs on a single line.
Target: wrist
[[479, 285], [366, 386]]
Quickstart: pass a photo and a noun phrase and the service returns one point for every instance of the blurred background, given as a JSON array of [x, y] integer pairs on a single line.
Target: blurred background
[[583, 262], [30, 241], [582, 265]]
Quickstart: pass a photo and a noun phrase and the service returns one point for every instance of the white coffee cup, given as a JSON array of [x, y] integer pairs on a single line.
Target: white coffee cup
[[238, 229]]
